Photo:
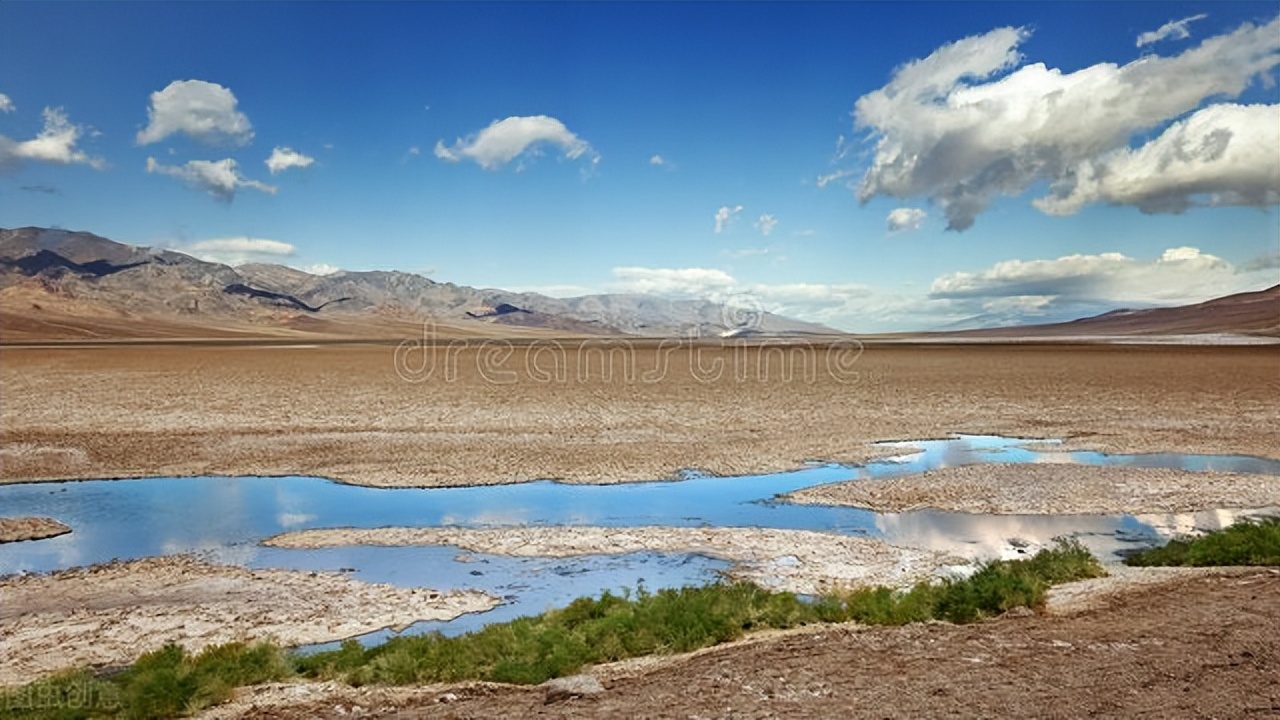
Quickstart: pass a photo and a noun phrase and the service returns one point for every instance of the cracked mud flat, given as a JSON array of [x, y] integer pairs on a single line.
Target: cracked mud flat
[[110, 614], [1199, 643], [343, 412], [800, 561], [30, 528], [1051, 489]]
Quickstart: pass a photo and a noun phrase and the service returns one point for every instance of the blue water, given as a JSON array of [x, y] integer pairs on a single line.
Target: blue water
[[224, 518]]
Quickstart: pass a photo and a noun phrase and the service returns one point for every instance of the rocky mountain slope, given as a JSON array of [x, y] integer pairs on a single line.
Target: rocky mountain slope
[[57, 278]]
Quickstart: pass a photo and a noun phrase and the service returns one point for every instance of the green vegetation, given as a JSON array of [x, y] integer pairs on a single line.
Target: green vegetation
[[1249, 542], [165, 683], [169, 682], [591, 630]]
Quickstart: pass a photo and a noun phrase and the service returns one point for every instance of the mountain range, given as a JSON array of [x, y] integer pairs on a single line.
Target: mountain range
[[57, 284], [62, 285]]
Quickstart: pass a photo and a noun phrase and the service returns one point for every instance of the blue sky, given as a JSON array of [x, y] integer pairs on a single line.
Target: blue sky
[[809, 157]]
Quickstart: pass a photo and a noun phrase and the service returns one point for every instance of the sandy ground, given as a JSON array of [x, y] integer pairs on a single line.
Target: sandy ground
[[110, 614], [507, 413], [796, 560], [1173, 644], [17, 529], [1051, 489]]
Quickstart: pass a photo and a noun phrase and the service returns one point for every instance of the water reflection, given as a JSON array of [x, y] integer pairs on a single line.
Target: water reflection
[[225, 518]]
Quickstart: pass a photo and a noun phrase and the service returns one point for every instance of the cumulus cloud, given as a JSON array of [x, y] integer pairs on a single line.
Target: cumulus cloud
[[1174, 29], [1222, 155], [203, 111], [283, 158], [221, 179], [515, 137], [724, 215], [321, 269], [1105, 280], [6, 105], [905, 219], [657, 160], [55, 143], [963, 126], [677, 282], [766, 224], [238, 250]]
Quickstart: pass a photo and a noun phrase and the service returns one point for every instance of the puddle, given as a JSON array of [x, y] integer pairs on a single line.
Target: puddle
[[224, 518]]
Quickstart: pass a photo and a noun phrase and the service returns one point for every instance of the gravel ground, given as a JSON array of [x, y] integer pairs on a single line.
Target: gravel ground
[[353, 413]]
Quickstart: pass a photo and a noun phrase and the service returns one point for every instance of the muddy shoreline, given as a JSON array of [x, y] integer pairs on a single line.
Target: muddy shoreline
[[19, 529], [1051, 489], [110, 614], [799, 561]]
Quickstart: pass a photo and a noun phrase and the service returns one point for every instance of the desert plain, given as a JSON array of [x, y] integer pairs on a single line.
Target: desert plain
[[388, 413]]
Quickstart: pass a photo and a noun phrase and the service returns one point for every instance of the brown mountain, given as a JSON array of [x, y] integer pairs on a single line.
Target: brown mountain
[[57, 284], [1250, 313]]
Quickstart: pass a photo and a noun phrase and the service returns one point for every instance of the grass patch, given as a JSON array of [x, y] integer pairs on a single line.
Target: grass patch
[[169, 682], [614, 627], [164, 683], [1248, 542]]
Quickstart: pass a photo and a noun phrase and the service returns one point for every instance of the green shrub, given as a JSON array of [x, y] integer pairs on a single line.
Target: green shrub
[[169, 682], [1248, 542]]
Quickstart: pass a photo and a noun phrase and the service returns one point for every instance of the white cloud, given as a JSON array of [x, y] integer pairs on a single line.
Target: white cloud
[[945, 130], [55, 143], [1175, 29], [724, 215], [905, 219], [831, 177], [283, 158], [766, 224], [6, 105], [237, 250], [1222, 155], [747, 252], [1107, 280], [321, 269], [678, 282], [203, 111], [514, 137], [657, 160], [220, 179]]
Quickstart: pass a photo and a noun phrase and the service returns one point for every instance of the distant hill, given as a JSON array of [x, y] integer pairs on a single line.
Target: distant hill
[[57, 284], [1250, 313]]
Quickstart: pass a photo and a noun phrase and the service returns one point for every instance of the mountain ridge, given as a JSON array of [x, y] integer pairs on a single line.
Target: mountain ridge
[[43, 270]]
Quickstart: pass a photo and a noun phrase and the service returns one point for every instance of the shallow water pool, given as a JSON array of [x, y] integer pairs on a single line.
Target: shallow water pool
[[224, 518]]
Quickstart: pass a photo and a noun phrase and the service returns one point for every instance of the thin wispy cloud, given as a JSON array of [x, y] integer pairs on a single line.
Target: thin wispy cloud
[[238, 250], [1173, 30], [724, 216], [766, 223], [283, 158], [221, 178]]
